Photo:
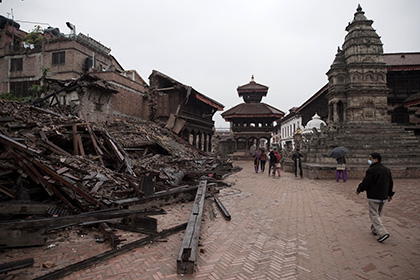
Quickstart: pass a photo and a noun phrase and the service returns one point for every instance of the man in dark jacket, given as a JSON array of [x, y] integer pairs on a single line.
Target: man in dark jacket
[[378, 185], [297, 158]]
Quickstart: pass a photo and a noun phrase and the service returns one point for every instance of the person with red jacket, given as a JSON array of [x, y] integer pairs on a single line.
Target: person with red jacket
[[277, 166]]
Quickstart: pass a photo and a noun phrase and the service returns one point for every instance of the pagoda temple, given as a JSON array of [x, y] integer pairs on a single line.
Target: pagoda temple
[[252, 121]]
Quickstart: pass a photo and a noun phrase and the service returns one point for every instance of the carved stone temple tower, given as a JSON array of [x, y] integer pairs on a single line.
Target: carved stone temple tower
[[357, 89], [357, 112]]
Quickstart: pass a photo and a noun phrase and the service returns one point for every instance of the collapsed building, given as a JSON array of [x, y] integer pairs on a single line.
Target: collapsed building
[[58, 171], [97, 147], [76, 70]]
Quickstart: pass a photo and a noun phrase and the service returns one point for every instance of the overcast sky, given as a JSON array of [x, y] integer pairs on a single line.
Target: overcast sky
[[217, 45]]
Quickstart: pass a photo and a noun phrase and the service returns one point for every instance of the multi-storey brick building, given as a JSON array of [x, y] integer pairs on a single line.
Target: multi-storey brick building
[[28, 58]]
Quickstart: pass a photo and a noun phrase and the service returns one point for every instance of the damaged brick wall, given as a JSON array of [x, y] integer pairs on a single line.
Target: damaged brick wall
[[129, 101]]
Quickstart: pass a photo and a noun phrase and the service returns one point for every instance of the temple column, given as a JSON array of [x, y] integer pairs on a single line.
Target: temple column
[[200, 147]]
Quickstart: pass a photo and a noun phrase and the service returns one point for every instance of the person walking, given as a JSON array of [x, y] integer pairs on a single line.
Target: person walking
[[297, 158], [378, 185], [263, 160], [277, 163], [341, 169], [256, 161], [272, 163]]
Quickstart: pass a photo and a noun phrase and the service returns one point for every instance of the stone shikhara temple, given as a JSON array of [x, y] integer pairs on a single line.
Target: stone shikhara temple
[[357, 112]]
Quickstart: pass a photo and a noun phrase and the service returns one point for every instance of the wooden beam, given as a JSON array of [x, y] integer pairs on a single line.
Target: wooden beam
[[92, 136], [110, 235], [109, 254], [222, 208], [47, 112], [24, 207], [10, 142], [80, 144], [14, 265], [7, 192], [188, 253], [184, 193], [66, 183], [75, 145]]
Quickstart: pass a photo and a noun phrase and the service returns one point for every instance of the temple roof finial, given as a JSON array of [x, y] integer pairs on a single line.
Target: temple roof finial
[[252, 78], [359, 8]]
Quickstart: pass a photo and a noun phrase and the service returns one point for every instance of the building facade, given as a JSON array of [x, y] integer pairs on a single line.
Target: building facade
[[31, 60], [187, 112]]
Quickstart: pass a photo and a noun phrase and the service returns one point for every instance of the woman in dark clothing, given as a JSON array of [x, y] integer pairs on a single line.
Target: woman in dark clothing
[[256, 161]]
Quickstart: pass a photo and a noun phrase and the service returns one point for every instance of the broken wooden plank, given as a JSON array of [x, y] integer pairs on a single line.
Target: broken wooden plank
[[109, 254], [76, 219], [115, 150], [75, 143], [183, 193], [96, 187], [80, 145], [22, 163], [31, 232], [222, 208], [14, 265], [147, 185], [133, 184], [127, 159], [110, 235], [10, 142], [62, 170], [54, 148], [47, 112], [95, 145], [7, 192], [23, 207], [188, 253], [66, 183]]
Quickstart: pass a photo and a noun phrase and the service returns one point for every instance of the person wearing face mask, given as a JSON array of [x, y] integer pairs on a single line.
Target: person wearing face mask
[[378, 185]]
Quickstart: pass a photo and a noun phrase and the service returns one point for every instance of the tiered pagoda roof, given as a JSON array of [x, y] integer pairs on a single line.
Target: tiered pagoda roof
[[252, 94]]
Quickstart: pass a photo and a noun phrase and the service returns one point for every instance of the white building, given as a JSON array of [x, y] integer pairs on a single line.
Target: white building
[[316, 123]]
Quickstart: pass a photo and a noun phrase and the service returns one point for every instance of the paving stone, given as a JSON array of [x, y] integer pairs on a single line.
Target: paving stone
[[280, 229]]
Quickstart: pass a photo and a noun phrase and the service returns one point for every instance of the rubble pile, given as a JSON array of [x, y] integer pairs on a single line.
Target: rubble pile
[[49, 157], [59, 172]]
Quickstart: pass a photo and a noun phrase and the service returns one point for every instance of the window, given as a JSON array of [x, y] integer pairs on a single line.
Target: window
[[22, 88], [16, 64], [58, 58]]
